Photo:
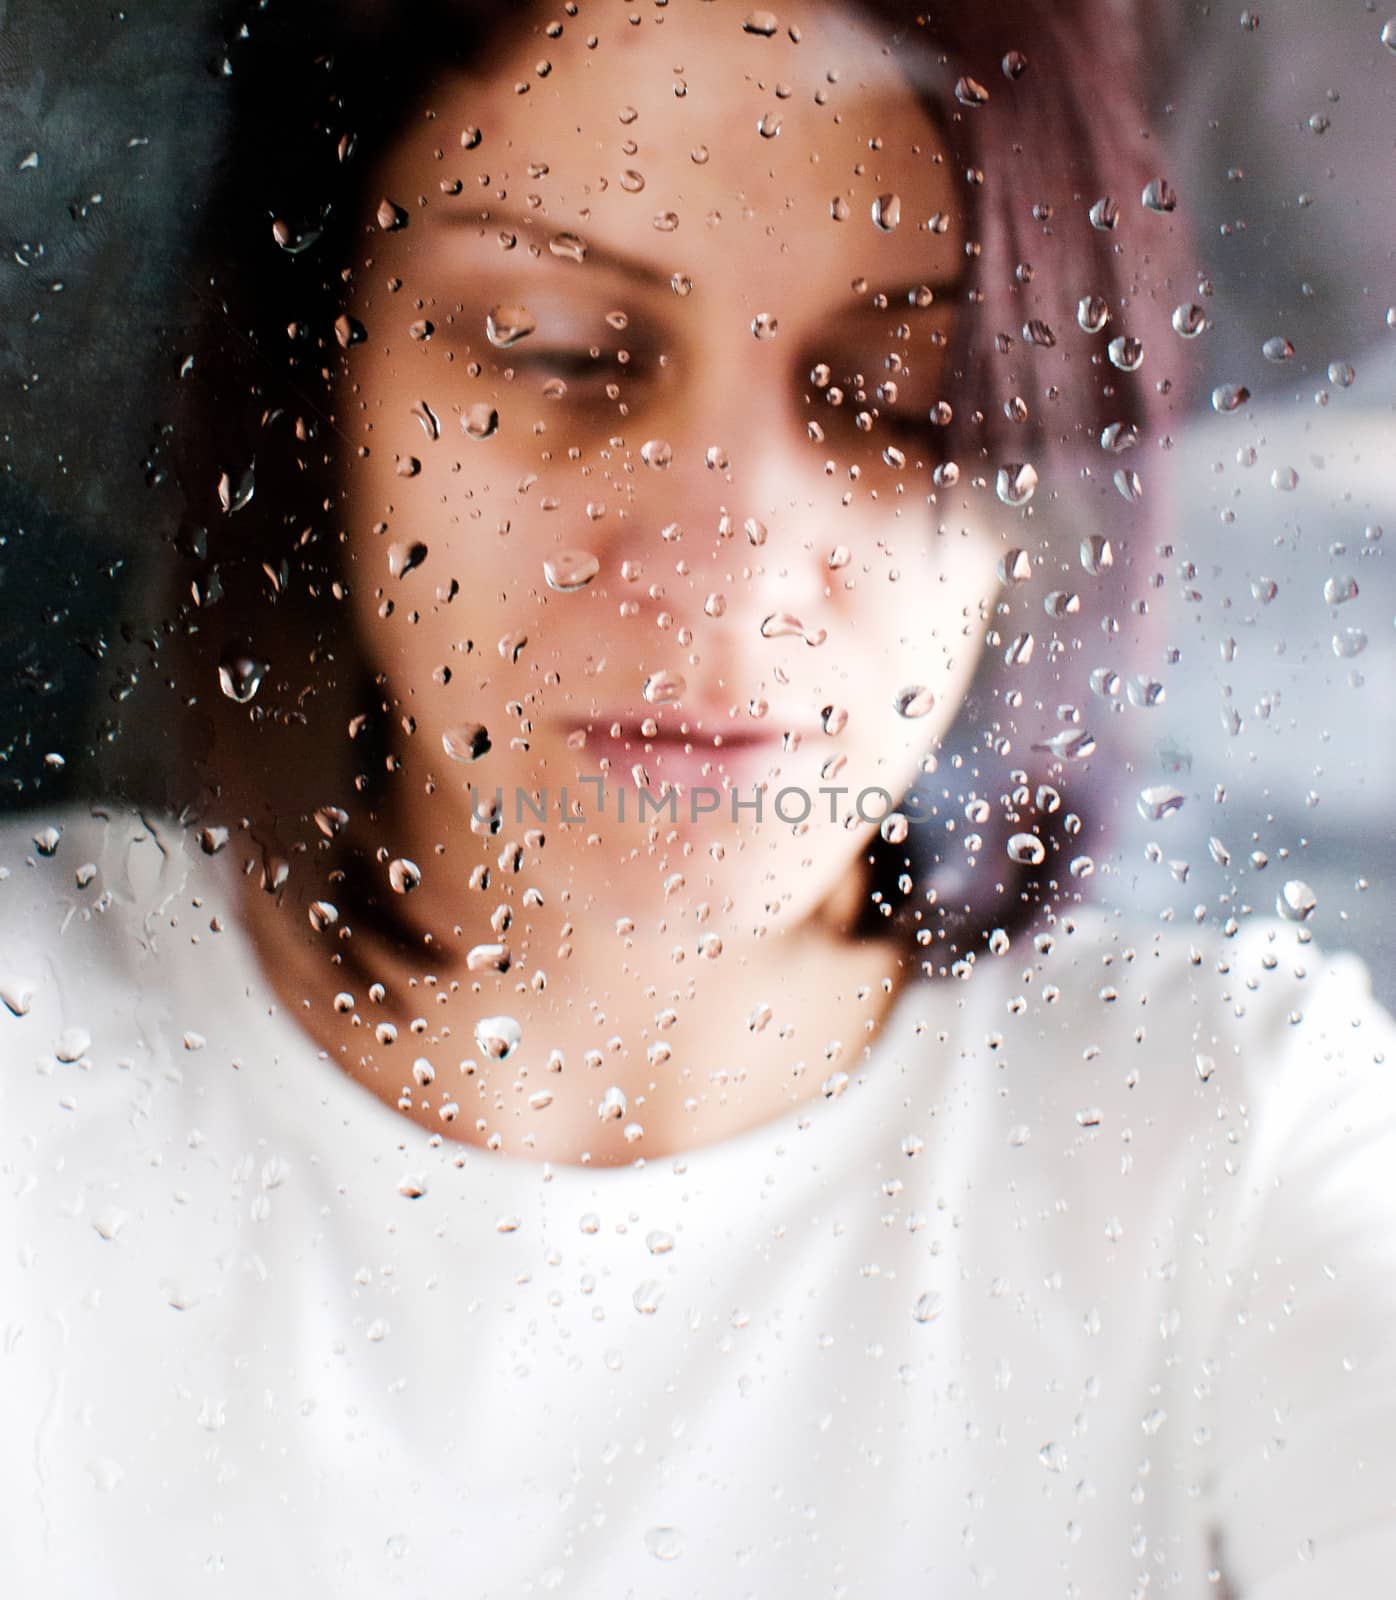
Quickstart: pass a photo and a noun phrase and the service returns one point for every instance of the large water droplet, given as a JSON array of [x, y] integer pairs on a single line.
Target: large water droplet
[[1105, 213], [1092, 313], [914, 701], [784, 625], [1027, 850], [1126, 353], [1338, 591], [568, 246], [507, 324], [1016, 483], [498, 1037], [1158, 195], [1229, 397], [1296, 902], [404, 875], [467, 742], [240, 674], [887, 211], [657, 453], [969, 92], [1189, 320], [479, 421], [662, 688], [1159, 801], [667, 1544], [761, 23], [1277, 349], [570, 570]]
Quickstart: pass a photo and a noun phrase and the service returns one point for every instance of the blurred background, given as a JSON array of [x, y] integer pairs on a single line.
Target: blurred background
[[1275, 739]]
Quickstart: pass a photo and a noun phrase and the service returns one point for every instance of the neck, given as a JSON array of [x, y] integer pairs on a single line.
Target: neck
[[631, 1042]]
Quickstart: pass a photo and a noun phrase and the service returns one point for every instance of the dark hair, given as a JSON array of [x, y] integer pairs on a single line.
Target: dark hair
[[1045, 120]]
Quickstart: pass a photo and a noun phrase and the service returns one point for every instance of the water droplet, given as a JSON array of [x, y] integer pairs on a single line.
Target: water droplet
[[570, 570], [568, 246], [657, 453], [240, 673], [507, 324], [1348, 643], [17, 994], [1014, 65], [1105, 213], [646, 1301], [663, 688], [1016, 483], [631, 181], [1228, 397], [783, 625], [1126, 353], [1097, 556], [1338, 591], [1092, 313], [498, 1037], [1189, 320], [667, 1544], [928, 1307], [1158, 195], [768, 125], [404, 875], [1159, 801], [1117, 437], [1388, 34], [887, 211], [1130, 486], [764, 325], [391, 218], [1053, 1457], [612, 1105], [479, 421], [1277, 349], [1015, 566], [681, 284], [833, 719], [1296, 902], [1027, 850], [914, 701], [1342, 374], [762, 23], [971, 93], [466, 742]]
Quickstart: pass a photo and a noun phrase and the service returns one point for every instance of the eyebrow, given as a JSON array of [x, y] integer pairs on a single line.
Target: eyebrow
[[633, 267], [616, 260]]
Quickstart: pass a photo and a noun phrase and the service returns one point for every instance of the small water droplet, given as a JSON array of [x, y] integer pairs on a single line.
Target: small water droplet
[[667, 1544], [657, 453], [1159, 801], [761, 23], [1027, 850], [764, 325], [568, 246], [928, 1307], [971, 93], [1277, 349]]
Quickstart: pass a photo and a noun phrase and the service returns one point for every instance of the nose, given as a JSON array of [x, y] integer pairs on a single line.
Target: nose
[[746, 487]]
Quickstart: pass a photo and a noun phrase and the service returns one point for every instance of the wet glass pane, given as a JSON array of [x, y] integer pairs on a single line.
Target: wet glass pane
[[695, 878]]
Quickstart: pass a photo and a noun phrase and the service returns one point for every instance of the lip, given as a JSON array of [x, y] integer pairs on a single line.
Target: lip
[[737, 753]]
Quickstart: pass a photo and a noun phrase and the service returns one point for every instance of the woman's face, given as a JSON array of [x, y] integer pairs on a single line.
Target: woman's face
[[674, 317]]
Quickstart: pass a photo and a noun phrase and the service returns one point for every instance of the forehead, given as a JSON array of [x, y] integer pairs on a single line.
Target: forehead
[[692, 141]]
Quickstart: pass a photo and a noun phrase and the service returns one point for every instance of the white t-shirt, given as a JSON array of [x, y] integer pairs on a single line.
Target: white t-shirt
[[1091, 1293]]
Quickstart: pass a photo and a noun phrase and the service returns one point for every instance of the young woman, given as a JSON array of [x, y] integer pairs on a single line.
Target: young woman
[[663, 547]]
